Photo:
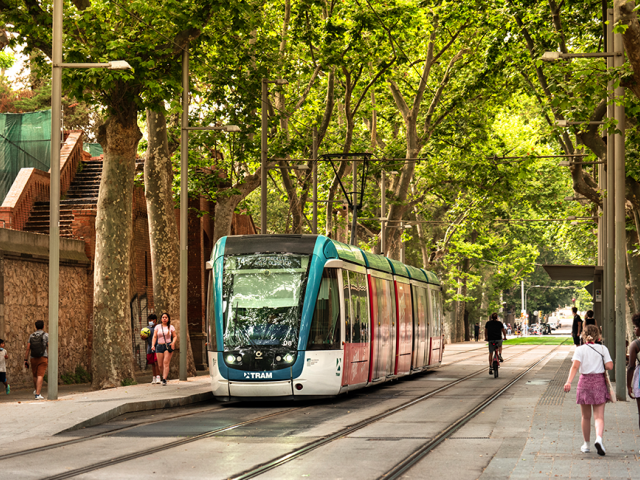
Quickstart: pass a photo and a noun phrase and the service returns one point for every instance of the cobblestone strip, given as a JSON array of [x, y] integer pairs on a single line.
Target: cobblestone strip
[[554, 395]]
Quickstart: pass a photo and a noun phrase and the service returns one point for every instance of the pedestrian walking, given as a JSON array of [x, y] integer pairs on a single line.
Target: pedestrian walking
[[576, 328], [4, 356], [633, 369], [592, 392], [152, 358], [37, 352], [476, 331], [164, 342]]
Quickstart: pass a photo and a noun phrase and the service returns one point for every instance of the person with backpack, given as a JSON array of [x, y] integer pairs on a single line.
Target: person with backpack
[[37, 350]]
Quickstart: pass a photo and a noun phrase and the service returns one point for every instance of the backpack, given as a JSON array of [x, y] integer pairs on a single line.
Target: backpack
[[38, 347]]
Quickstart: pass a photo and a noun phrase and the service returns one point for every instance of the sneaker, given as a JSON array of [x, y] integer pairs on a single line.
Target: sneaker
[[164, 382], [8, 389], [600, 447], [35, 393], [585, 448], [500, 357], [158, 380], [39, 397], [153, 380]]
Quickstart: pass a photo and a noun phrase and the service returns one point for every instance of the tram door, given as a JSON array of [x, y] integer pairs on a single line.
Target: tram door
[[356, 349], [435, 354], [420, 327], [383, 343], [404, 327]]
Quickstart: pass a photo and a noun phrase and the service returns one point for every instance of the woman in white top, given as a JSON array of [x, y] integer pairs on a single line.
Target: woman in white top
[[163, 343], [633, 368], [592, 392]]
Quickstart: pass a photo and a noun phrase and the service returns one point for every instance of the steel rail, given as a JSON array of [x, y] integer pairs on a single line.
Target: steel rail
[[161, 448], [103, 434], [151, 422], [277, 462], [291, 456], [402, 467]]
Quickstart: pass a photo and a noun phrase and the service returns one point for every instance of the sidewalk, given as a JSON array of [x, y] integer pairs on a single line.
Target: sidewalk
[[540, 433], [79, 407]]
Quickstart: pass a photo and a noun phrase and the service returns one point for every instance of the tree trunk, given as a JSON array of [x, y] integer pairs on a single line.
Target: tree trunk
[[466, 265], [633, 271], [112, 358], [226, 204], [163, 232]]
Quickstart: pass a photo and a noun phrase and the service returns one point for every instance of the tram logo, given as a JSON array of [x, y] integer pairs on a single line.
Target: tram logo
[[253, 375]]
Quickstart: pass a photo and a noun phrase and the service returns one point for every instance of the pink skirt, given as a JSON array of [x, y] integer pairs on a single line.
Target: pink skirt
[[592, 390]]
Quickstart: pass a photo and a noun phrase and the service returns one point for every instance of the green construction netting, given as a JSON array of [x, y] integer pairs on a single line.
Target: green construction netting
[[94, 149], [25, 141]]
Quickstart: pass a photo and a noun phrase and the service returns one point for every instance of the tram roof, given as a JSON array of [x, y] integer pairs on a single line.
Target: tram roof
[[399, 268], [306, 244], [431, 277], [345, 252], [416, 273]]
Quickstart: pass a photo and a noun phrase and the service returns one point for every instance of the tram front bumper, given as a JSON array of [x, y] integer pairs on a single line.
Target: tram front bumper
[[281, 388]]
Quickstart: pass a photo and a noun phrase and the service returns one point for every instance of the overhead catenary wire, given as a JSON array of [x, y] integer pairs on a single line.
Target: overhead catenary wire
[[255, 96]]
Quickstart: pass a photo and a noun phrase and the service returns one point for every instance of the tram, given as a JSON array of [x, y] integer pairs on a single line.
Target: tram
[[304, 316]]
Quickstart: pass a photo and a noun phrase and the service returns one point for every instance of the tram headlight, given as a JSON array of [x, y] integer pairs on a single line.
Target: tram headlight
[[231, 358], [288, 358]]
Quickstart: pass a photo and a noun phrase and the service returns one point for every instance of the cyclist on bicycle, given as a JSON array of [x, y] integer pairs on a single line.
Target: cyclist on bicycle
[[494, 332]]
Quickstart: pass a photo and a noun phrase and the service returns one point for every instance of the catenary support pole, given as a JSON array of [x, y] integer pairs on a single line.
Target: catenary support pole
[[263, 157], [609, 267], [522, 310], [620, 227], [383, 214], [354, 214], [184, 209], [314, 156], [54, 201], [402, 245]]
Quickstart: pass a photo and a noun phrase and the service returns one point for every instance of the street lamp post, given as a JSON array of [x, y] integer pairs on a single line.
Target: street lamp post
[[184, 207], [54, 188], [264, 147]]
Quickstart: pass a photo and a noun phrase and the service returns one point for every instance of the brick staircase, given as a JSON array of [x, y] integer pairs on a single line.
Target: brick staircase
[[82, 195]]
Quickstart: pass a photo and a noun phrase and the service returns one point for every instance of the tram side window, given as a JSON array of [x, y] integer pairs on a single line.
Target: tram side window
[[437, 318], [347, 308], [212, 344], [360, 311], [325, 325]]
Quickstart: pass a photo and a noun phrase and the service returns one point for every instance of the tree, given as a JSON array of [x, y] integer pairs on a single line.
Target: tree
[[105, 31]]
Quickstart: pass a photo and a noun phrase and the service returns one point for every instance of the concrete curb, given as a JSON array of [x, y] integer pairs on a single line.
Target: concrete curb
[[140, 406]]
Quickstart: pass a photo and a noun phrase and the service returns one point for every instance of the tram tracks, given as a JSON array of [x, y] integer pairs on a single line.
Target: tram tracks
[[275, 463], [417, 455], [102, 434], [164, 419], [255, 471]]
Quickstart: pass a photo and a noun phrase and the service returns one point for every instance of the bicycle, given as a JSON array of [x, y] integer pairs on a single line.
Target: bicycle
[[495, 362]]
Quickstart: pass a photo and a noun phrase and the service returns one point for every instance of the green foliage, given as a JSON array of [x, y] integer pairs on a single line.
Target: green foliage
[[539, 340], [127, 382], [7, 60], [480, 222], [79, 376]]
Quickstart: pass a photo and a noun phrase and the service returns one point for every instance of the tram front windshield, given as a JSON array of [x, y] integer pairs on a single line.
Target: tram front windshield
[[262, 299]]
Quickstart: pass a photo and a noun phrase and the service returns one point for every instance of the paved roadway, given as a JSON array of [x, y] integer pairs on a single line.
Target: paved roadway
[[529, 432]]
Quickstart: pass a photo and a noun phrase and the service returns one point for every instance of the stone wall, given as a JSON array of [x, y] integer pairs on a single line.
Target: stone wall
[[24, 292]]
